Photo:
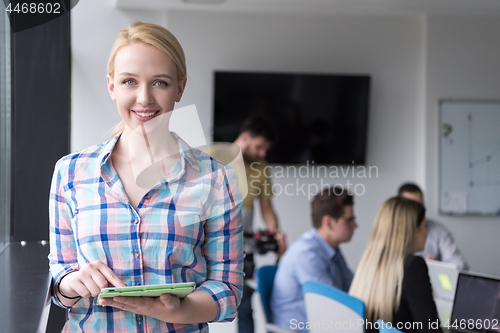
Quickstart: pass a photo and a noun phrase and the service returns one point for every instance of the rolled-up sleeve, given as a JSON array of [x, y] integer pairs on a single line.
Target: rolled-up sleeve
[[62, 256], [223, 248]]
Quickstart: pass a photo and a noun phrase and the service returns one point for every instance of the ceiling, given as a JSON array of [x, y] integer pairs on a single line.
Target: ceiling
[[328, 7]]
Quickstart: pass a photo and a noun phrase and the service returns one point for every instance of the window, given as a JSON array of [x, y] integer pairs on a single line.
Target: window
[[5, 131]]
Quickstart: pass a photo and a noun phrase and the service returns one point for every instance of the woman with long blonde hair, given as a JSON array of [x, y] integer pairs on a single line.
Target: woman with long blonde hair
[[110, 229], [394, 283]]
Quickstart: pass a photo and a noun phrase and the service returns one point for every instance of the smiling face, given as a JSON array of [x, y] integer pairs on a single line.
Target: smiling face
[[144, 84]]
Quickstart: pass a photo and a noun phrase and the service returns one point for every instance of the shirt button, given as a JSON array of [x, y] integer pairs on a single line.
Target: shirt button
[[139, 319], [148, 197], [136, 221], [136, 254]]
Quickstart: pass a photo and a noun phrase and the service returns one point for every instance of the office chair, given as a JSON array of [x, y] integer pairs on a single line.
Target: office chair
[[383, 328], [331, 309], [264, 277]]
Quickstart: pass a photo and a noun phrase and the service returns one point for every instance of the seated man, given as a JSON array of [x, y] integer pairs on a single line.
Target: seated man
[[440, 244], [314, 256]]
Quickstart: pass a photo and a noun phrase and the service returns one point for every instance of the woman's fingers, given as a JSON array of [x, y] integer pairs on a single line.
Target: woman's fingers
[[92, 286], [84, 283], [91, 278], [170, 302], [82, 289], [99, 279], [110, 276]]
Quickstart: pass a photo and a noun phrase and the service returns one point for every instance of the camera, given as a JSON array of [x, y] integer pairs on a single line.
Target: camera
[[265, 241]]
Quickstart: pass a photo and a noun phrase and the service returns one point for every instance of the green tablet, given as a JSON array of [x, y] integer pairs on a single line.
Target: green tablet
[[180, 290]]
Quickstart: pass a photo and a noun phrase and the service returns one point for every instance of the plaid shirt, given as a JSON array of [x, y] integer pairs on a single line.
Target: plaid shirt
[[188, 228]]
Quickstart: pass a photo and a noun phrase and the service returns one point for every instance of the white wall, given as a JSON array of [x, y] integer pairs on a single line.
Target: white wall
[[391, 50], [413, 62], [463, 59]]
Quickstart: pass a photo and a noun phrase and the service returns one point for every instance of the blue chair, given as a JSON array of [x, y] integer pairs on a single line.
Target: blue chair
[[383, 328], [264, 277], [331, 309]]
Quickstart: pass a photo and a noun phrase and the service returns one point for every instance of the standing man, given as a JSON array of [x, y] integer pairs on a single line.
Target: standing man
[[314, 256], [255, 139], [440, 244]]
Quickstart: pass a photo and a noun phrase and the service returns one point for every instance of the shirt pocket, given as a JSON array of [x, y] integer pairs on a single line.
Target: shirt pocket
[[101, 228], [89, 234]]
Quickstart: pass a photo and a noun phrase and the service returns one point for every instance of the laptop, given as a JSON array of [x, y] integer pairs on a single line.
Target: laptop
[[477, 304], [443, 278]]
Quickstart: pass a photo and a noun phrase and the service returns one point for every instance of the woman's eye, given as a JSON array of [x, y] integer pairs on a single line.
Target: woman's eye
[[128, 82], [161, 83]]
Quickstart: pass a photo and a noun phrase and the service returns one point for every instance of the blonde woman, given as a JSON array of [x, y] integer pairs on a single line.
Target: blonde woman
[[106, 229], [394, 283]]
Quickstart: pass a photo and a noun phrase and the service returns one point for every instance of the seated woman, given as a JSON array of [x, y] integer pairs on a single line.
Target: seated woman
[[393, 283]]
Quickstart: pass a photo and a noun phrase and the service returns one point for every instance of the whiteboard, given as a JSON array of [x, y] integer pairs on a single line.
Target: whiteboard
[[469, 139]]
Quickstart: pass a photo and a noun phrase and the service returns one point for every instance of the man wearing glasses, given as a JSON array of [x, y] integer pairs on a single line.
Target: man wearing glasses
[[314, 256]]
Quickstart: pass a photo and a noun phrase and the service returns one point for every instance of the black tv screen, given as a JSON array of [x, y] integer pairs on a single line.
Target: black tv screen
[[318, 118]]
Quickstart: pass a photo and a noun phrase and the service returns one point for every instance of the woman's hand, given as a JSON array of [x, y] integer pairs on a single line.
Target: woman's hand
[[165, 308], [88, 281], [197, 307]]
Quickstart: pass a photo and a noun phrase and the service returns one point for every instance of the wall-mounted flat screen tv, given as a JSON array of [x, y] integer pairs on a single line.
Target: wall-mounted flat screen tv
[[318, 118]]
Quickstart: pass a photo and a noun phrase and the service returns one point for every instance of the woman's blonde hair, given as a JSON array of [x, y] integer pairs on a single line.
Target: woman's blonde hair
[[379, 278], [152, 34]]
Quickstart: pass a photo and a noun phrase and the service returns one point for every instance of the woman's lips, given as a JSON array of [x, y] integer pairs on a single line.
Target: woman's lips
[[145, 115]]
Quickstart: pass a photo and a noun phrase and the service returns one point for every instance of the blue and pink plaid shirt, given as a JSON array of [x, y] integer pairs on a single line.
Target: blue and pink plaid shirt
[[187, 228]]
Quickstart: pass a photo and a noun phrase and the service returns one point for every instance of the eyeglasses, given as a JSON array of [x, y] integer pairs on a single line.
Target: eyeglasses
[[351, 220]]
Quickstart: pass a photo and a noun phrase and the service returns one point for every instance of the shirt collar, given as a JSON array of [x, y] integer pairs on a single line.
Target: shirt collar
[[328, 250], [185, 151], [108, 148]]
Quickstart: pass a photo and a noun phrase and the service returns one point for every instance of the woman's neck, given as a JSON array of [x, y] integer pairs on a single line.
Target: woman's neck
[[145, 145]]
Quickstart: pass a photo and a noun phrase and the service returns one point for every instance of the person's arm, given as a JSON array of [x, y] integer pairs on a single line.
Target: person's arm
[[197, 307], [417, 291], [70, 281], [449, 250], [62, 256], [271, 222], [268, 214], [265, 195], [223, 249]]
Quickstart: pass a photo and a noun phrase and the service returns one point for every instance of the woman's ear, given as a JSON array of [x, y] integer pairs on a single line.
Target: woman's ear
[[111, 87], [180, 89]]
